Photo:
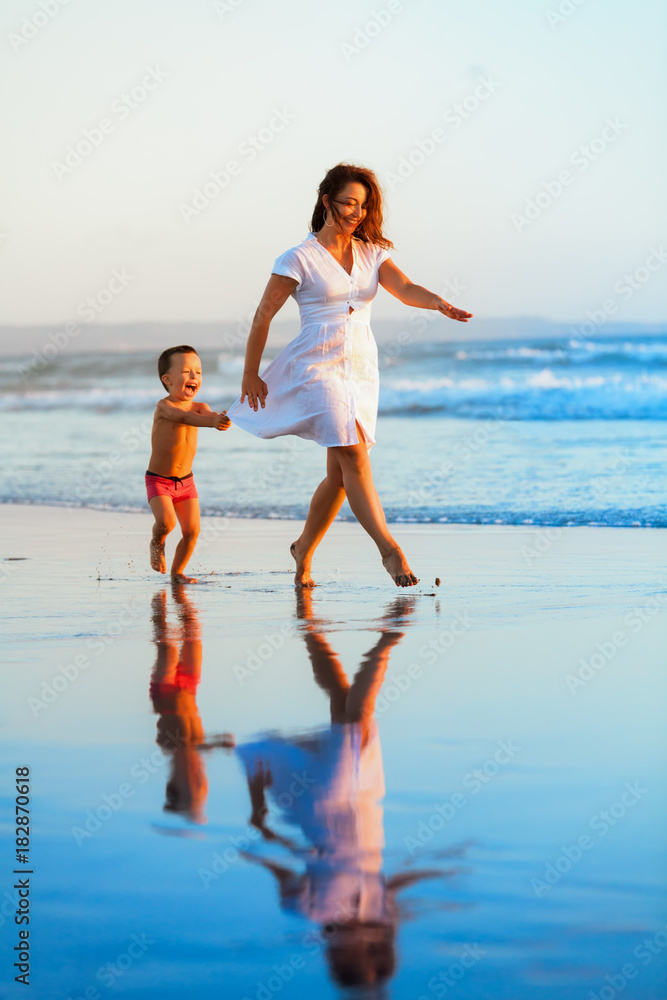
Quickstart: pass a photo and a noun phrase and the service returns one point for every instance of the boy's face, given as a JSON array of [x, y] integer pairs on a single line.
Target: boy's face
[[184, 376]]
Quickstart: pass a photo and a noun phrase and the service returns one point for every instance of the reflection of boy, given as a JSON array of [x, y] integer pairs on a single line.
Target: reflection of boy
[[172, 494], [173, 689]]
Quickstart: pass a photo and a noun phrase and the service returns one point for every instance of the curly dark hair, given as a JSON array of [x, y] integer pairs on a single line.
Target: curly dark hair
[[369, 229]]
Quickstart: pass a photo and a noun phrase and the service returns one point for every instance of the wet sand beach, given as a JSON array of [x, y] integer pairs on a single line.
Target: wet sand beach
[[506, 841]]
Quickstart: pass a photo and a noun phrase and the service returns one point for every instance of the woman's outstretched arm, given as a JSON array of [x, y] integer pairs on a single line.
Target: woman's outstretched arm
[[399, 285], [276, 294]]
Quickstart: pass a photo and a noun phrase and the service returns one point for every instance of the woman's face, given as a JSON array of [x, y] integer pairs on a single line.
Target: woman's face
[[350, 204]]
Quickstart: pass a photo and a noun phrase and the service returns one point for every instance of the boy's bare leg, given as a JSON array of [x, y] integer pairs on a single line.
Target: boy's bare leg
[[166, 660], [191, 645], [165, 521], [187, 512]]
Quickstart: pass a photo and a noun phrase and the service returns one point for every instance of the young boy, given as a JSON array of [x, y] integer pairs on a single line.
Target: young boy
[[171, 490]]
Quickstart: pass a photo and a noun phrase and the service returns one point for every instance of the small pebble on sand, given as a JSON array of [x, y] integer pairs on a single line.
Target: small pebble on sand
[[437, 581]]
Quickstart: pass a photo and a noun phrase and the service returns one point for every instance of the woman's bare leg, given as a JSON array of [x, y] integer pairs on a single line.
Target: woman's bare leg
[[349, 472], [327, 501], [355, 466], [369, 677]]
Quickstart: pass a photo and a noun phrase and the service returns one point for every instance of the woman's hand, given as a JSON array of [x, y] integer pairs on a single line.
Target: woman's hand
[[255, 389], [451, 311]]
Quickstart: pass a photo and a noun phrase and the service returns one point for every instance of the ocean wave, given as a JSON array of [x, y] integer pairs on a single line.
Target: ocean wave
[[574, 351], [511, 353], [544, 395], [100, 399], [612, 517], [641, 352], [231, 364], [79, 399], [559, 379]]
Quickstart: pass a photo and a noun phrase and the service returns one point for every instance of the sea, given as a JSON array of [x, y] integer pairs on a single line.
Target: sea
[[543, 432]]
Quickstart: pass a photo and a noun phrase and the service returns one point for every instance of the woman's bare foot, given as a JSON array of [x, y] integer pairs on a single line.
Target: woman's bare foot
[[304, 604], [302, 577], [182, 578], [397, 613], [397, 566], [158, 562]]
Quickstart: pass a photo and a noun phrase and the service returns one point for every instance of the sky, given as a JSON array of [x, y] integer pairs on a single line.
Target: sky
[[521, 148]]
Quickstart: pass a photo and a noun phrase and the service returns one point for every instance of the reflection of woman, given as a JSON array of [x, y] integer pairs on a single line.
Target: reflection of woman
[[324, 385], [329, 784], [173, 689]]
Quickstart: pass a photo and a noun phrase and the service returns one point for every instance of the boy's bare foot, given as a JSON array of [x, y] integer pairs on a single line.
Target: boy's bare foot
[[158, 562], [397, 566], [302, 577], [182, 578]]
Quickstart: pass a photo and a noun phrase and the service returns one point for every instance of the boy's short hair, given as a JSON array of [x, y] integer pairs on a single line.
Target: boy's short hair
[[164, 361]]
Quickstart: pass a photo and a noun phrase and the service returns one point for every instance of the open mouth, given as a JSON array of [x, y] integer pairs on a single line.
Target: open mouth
[[191, 387]]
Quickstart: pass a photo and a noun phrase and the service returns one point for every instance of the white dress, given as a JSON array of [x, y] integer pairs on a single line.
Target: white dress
[[326, 379], [338, 807]]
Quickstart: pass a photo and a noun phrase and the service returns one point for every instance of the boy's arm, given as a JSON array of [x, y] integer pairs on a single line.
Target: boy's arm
[[222, 423], [194, 417]]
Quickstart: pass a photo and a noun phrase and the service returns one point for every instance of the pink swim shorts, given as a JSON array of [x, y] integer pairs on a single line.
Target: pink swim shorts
[[175, 487]]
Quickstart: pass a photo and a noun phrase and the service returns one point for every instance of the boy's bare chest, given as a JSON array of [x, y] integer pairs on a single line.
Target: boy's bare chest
[[177, 435], [184, 435]]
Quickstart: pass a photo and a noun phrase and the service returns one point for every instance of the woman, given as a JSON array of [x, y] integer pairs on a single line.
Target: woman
[[324, 385]]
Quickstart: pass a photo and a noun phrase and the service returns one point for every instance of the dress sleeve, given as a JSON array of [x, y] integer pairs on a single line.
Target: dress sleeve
[[382, 256], [289, 265]]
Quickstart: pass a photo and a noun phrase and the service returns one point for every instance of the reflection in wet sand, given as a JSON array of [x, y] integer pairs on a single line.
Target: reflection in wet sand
[[329, 785], [173, 690]]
